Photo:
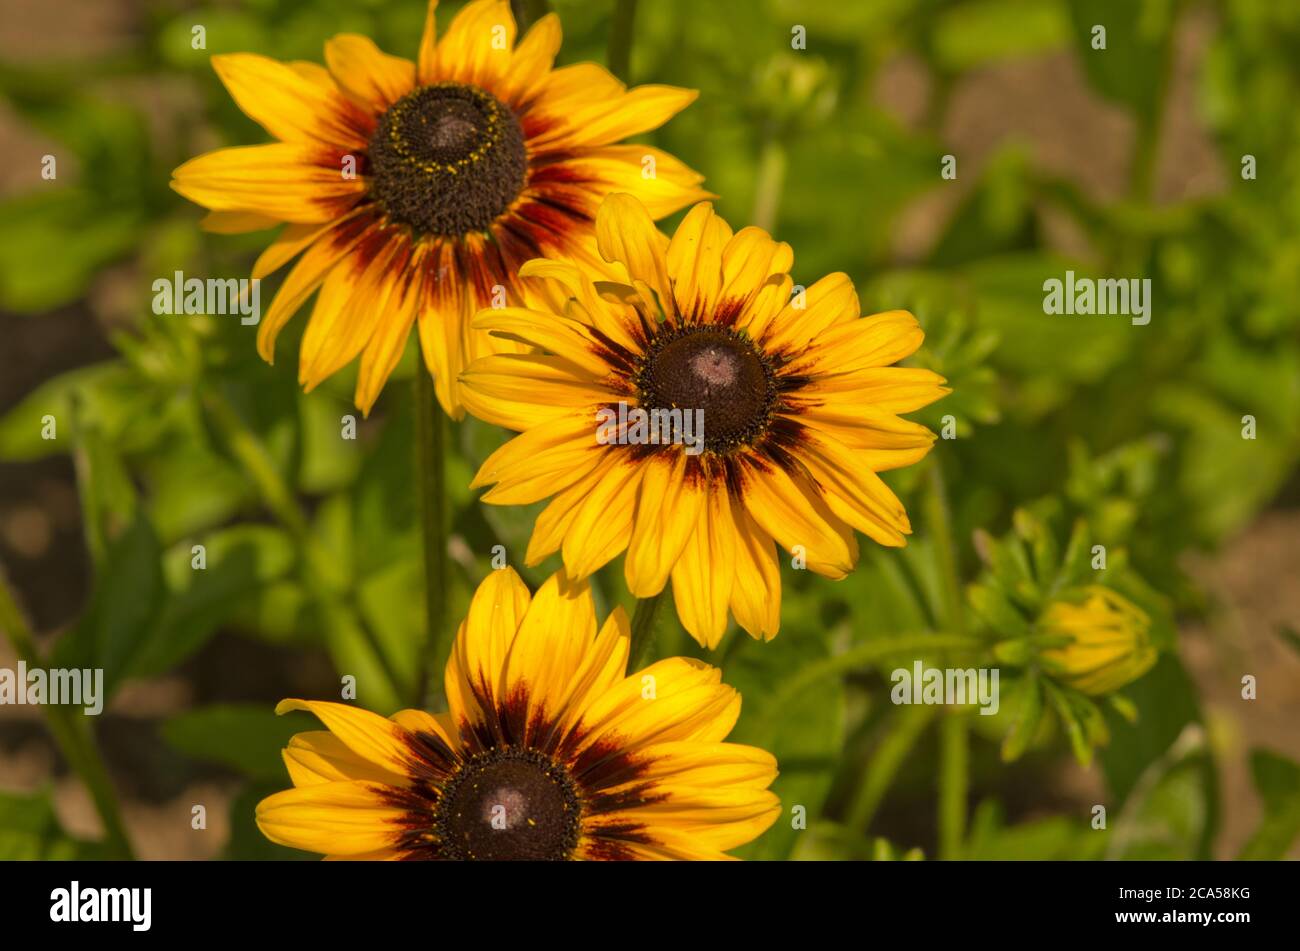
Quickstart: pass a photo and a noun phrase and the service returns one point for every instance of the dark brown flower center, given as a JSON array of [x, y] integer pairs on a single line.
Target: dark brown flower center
[[718, 371], [509, 804], [447, 159]]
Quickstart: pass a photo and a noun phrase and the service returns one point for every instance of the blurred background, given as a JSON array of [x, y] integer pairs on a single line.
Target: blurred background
[[1127, 162]]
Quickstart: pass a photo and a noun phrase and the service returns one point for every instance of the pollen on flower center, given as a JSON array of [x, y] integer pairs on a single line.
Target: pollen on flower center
[[719, 371], [509, 804], [447, 159]]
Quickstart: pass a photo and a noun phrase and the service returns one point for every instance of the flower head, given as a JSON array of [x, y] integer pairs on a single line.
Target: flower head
[[548, 751], [412, 192], [1107, 641], [796, 397]]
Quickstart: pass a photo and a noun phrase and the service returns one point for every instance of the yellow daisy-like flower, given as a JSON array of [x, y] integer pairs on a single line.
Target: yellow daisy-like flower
[[413, 191], [799, 409], [549, 751], [1109, 641]]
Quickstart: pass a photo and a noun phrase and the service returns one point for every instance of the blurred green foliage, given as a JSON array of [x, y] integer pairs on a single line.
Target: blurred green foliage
[[186, 438]]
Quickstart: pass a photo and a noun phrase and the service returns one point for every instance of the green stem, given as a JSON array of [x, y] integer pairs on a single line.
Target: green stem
[[320, 573], [954, 735], [431, 487], [954, 783], [903, 730], [939, 521], [621, 31], [73, 737], [643, 630], [769, 183]]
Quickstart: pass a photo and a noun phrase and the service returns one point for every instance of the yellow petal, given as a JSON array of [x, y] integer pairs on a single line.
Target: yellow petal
[[531, 64], [703, 576], [755, 279], [793, 515], [289, 105], [756, 591], [353, 302], [478, 44], [709, 765], [570, 286], [292, 241], [602, 527], [626, 233], [887, 389], [284, 181], [520, 391], [320, 757], [427, 60], [368, 735], [829, 302], [554, 521], [626, 168], [547, 653], [695, 262], [874, 341], [443, 316], [880, 441], [542, 461], [311, 269], [475, 669], [591, 118], [870, 506], [674, 699], [711, 818], [563, 337], [667, 515], [346, 818], [367, 75], [388, 342], [603, 668]]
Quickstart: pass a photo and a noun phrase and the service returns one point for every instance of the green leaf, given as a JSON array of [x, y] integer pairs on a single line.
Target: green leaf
[[53, 243], [30, 831], [102, 394], [1055, 838], [245, 737], [1278, 781], [1028, 704], [1130, 70], [128, 595], [240, 561], [1171, 813], [805, 736], [974, 33], [1166, 700], [1071, 717]]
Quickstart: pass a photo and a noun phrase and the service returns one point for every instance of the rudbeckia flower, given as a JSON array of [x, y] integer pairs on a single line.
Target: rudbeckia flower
[[413, 191], [548, 751], [1107, 641], [797, 397]]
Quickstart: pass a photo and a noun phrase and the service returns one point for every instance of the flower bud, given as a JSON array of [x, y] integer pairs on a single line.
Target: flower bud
[[1108, 641]]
